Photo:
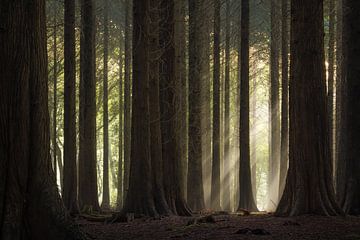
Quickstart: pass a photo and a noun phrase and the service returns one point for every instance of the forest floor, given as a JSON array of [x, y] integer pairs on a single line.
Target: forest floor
[[226, 226]]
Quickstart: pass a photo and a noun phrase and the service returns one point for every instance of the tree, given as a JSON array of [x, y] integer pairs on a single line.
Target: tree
[[246, 200], [197, 34], [273, 184], [88, 193], [106, 194], [170, 111], [127, 96], [215, 178], [348, 182], [226, 182], [27, 181], [140, 198], [284, 141], [69, 193], [308, 188], [55, 76]]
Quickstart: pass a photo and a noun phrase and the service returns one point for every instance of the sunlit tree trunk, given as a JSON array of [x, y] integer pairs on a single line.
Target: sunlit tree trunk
[[88, 192], [309, 188], [246, 194], [55, 76], [27, 182]]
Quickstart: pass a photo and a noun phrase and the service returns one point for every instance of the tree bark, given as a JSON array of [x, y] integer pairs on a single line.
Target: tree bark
[[215, 178], [105, 205], [284, 158], [273, 182], [88, 192], [246, 200], [30, 205], [140, 198], [55, 73], [308, 188], [348, 165]]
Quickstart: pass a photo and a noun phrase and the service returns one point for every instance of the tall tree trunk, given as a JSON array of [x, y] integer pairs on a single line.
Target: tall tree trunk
[[171, 123], [284, 158], [55, 69], [154, 100], [127, 96], [27, 183], [331, 71], [226, 182], [181, 78], [140, 199], [120, 183], [88, 192], [273, 182], [309, 188], [254, 138], [215, 178], [246, 200], [106, 191], [70, 183], [348, 165], [197, 33]]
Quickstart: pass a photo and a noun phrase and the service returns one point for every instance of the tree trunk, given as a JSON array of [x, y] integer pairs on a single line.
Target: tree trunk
[[170, 96], [27, 182], [154, 99], [226, 182], [197, 33], [120, 183], [273, 182], [69, 193], [105, 205], [127, 96], [215, 178], [140, 199], [284, 158], [54, 144], [246, 200], [88, 192], [348, 165], [308, 188]]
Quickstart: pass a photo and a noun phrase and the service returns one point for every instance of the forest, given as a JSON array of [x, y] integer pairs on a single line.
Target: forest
[[179, 119]]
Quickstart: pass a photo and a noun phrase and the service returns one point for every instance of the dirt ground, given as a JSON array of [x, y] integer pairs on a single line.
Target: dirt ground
[[264, 227]]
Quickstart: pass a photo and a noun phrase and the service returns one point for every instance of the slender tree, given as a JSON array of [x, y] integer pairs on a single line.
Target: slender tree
[[55, 76], [348, 183], [69, 193], [215, 178], [88, 192], [27, 183], [273, 183], [308, 188], [246, 200], [284, 158]]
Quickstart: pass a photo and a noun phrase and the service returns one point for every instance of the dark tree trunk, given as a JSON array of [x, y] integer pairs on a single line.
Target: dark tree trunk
[[226, 172], [331, 70], [127, 96], [105, 205], [154, 100], [308, 188], [215, 178], [140, 199], [246, 200], [273, 182], [181, 81], [69, 193], [27, 183], [348, 165], [120, 183], [284, 158], [197, 33], [170, 97], [88, 192]]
